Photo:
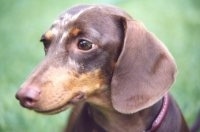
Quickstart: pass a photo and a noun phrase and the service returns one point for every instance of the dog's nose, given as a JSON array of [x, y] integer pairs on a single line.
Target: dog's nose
[[28, 96]]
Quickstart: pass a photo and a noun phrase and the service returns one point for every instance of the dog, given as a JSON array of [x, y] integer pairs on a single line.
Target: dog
[[113, 72]]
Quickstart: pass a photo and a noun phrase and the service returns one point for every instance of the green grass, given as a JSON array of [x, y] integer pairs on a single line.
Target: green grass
[[176, 23]]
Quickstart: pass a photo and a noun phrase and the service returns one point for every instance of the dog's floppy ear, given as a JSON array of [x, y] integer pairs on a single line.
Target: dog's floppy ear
[[144, 71]]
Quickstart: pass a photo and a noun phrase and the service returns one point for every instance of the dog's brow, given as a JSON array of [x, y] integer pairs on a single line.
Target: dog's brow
[[49, 35], [64, 35], [69, 17], [74, 31], [63, 20]]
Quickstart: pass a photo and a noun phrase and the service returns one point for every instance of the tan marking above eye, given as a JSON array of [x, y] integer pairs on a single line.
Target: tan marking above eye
[[48, 35], [74, 31]]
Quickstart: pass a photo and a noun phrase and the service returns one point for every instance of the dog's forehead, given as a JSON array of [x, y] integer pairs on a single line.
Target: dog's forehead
[[82, 15], [68, 16], [74, 13], [71, 15]]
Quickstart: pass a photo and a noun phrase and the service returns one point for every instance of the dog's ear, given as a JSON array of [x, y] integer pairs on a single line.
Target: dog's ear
[[144, 71]]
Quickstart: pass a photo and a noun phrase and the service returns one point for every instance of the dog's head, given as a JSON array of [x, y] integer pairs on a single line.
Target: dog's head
[[90, 49]]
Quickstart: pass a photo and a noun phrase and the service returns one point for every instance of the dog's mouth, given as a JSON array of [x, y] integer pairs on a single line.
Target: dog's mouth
[[55, 110], [78, 98]]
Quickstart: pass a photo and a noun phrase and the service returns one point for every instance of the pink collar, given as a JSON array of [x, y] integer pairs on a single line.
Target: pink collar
[[161, 115]]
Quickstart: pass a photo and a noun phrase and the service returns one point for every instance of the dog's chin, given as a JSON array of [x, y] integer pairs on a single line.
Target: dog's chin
[[55, 110], [74, 101], [78, 98]]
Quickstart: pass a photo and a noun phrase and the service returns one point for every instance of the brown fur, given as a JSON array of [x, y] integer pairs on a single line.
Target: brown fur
[[75, 31], [48, 35], [115, 84]]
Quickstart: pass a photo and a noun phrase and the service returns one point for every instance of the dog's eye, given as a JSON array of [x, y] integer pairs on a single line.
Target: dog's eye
[[85, 44], [46, 44]]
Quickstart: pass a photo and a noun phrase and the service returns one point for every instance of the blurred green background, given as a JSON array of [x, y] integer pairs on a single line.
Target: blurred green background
[[175, 22]]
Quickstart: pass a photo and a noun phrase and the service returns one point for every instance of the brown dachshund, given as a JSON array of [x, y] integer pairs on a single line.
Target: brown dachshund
[[114, 73]]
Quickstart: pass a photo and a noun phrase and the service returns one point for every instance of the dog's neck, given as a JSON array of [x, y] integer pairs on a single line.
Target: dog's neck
[[108, 118]]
